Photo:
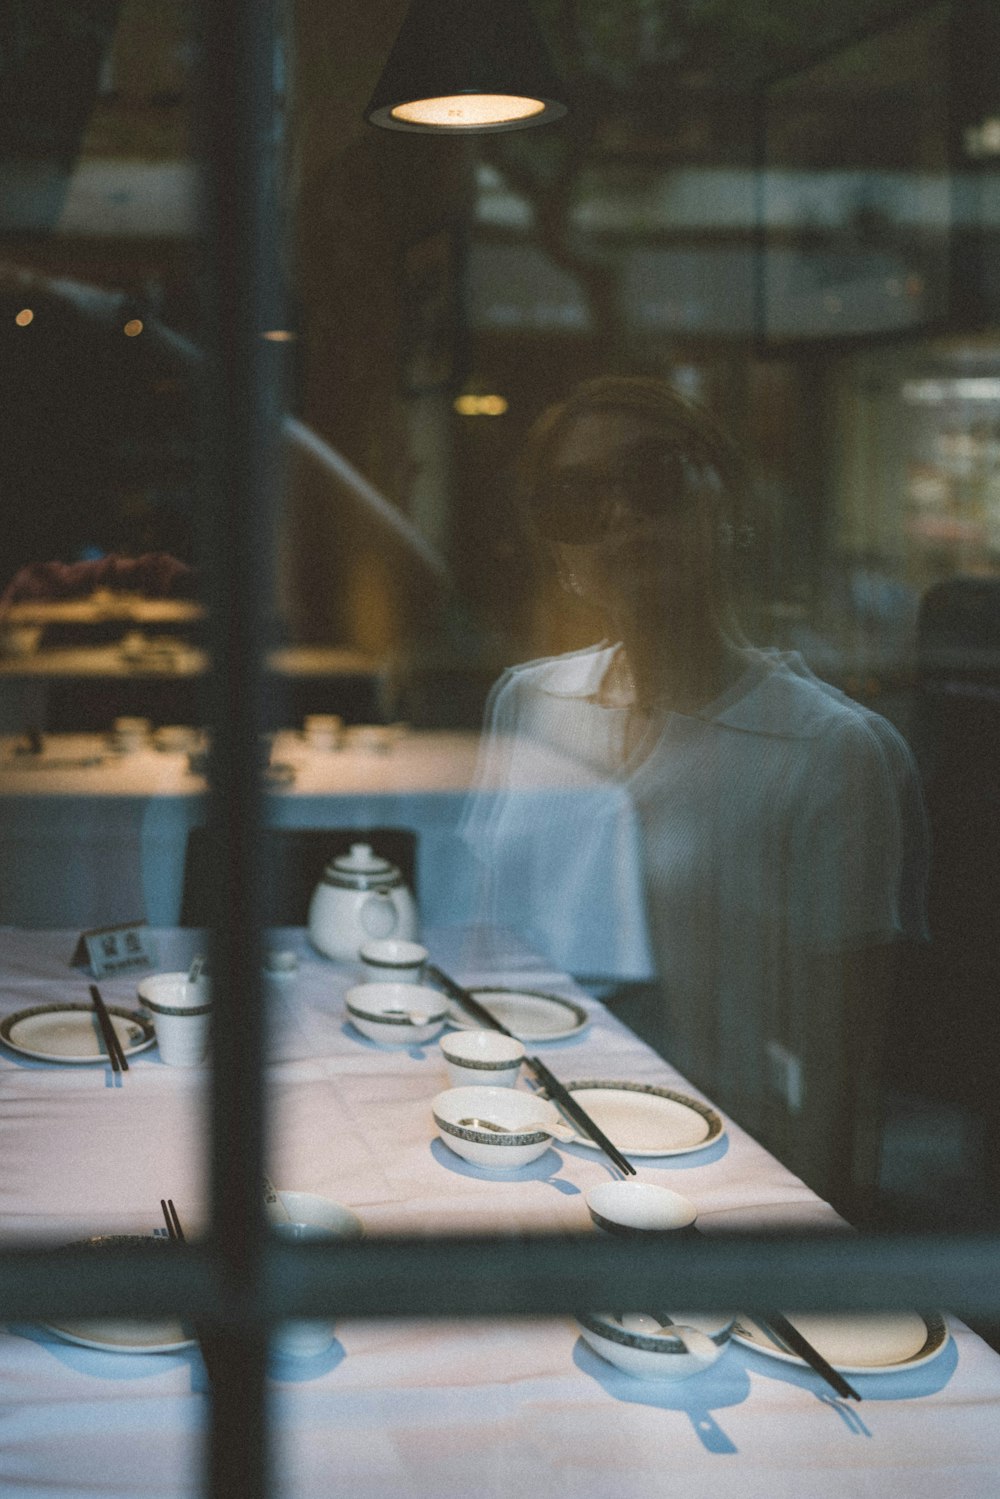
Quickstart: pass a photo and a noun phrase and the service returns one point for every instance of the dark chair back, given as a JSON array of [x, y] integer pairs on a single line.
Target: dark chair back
[[295, 859]]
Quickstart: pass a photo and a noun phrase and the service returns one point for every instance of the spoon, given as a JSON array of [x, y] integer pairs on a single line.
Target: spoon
[[642, 1322], [273, 1205], [537, 1126], [413, 1016], [697, 1343]]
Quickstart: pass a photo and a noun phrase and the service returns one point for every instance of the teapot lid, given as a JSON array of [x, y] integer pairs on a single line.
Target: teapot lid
[[361, 868]]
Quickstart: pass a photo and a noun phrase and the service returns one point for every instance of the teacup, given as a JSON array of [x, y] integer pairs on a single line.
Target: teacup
[[322, 730], [311, 1219], [482, 1059], [391, 960], [181, 1013], [130, 734]]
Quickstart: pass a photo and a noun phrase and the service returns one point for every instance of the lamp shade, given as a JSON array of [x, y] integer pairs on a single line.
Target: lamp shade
[[464, 66]]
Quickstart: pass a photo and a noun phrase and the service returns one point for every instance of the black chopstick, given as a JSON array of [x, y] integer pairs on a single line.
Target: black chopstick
[[551, 1084], [564, 1098], [119, 1062], [172, 1221], [176, 1234], [785, 1332], [466, 1000]]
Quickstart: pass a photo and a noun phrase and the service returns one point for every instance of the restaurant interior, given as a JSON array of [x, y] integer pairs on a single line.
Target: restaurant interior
[[786, 216]]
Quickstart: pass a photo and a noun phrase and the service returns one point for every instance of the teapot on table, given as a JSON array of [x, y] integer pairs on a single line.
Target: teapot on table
[[360, 897]]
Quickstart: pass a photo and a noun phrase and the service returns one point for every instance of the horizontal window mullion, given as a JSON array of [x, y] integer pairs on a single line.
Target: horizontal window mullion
[[538, 1275]]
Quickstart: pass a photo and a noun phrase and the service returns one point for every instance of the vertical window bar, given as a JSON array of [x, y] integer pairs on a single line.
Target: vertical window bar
[[239, 266]]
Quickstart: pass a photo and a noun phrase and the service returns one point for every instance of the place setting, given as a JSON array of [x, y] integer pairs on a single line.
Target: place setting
[[79, 1034], [173, 1015], [294, 1216]]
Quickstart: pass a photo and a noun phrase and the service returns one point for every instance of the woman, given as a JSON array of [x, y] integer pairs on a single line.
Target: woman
[[759, 832]]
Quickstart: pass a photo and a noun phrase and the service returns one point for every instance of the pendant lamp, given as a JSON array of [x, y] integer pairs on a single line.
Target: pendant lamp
[[464, 66]]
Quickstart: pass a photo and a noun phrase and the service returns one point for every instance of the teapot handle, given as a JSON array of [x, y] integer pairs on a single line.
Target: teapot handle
[[378, 914]]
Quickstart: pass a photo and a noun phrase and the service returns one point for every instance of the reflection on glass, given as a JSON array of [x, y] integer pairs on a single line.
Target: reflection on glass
[[679, 799]]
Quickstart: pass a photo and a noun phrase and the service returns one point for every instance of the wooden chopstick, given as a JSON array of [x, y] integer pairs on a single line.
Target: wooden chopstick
[[176, 1234], [117, 1057], [786, 1332], [551, 1084]]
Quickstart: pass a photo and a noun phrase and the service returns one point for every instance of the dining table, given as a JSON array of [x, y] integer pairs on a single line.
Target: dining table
[[428, 1409]]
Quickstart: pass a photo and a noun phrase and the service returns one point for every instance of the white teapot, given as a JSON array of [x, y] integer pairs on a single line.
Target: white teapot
[[360, 897]]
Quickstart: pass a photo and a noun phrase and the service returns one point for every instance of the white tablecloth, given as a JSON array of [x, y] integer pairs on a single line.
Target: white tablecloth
[[93, 845], [446, 1410]]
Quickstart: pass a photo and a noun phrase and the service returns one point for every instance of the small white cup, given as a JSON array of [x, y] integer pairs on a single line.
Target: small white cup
[[481, 1059], [391, 960], [130, 734], [311, 1219], [181, 1014], [322, 730]]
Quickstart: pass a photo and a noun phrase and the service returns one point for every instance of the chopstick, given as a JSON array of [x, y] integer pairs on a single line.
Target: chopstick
[[551, 1084], [468, 1001], [174, 1230], [176, 1235], [117, 1057], [564, 1098], [783, 1331]]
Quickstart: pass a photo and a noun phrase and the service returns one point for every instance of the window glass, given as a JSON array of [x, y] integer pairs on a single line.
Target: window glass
[[629, 600]]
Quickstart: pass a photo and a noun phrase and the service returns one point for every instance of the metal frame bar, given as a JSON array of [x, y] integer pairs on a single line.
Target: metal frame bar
[[537, 1275], [240, 268]]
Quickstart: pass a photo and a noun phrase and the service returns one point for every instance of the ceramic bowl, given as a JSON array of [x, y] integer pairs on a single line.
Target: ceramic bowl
[[657, 1345], [390, 959], [396, 1014], [631, 1208], [480, 1059], [176, 738], [527, 1125]]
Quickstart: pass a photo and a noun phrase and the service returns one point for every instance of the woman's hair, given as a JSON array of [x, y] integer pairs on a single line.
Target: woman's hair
[[694, 432]]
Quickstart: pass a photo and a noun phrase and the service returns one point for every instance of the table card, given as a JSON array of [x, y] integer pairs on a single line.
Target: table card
[[115, 949]]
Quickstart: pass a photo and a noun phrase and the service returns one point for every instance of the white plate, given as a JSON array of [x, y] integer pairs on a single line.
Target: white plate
[[110, 1335], [528, 1014], [72, 1033], [857, 1344], [644, 1120], [124, 1337]]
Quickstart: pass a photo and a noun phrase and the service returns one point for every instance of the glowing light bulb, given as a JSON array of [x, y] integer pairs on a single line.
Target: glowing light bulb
[[465, 111]]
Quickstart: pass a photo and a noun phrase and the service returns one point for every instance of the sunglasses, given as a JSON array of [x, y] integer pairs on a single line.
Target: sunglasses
[[580, 505]]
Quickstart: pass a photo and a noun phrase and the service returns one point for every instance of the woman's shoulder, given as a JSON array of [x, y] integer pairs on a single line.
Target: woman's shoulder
[[780, 695], [572, 674]]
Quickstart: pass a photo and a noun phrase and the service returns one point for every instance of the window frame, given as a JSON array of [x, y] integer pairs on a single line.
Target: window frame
[[240, 1279]]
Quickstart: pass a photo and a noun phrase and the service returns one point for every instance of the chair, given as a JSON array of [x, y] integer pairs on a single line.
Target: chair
[[295, 859], [947, 1042]]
